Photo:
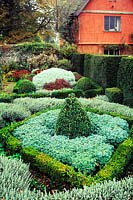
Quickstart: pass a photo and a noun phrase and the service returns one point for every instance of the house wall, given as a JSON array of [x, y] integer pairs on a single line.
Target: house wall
[[91, 25]]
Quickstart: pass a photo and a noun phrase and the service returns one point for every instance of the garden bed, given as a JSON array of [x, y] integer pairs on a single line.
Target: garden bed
[[60, 172]]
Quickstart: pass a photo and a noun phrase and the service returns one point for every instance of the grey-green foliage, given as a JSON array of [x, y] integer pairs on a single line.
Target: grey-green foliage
[[14, 176], [15, 113], [102, 97], [73, 120], [108, 190], [15, 181], [105, 106], [35, 105]]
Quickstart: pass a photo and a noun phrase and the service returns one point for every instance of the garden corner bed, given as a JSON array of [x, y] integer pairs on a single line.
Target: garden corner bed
[[79, 161]]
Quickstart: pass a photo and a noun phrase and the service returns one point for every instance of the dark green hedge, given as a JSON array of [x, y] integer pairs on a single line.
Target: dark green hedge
[[125, 79], [114, 94], [102, 68], [77, 61]]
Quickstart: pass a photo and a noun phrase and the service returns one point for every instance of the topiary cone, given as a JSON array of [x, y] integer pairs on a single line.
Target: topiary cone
[[73, 120]]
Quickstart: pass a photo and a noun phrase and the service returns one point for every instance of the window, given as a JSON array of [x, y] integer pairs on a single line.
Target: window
[[112, 51], [112, 23]]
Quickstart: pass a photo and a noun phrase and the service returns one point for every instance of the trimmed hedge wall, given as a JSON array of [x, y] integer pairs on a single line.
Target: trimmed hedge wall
[[102, 68], [62, 173], [77, 61], [125, 79]]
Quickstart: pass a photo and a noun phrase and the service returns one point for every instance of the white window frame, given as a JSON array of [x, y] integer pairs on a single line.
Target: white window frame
[[116, 25]]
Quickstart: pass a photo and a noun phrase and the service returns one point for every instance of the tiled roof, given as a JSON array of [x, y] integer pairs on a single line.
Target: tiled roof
[[85, 2]]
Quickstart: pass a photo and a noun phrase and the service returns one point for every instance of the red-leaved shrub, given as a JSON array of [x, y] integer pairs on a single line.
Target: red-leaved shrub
[[58, 84], [19, 74]]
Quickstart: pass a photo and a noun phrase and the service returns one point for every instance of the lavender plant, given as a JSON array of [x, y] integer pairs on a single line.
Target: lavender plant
[[15, 181]]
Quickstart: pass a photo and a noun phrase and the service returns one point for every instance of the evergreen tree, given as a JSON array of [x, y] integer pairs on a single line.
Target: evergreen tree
[[73, 120], [20, 19]]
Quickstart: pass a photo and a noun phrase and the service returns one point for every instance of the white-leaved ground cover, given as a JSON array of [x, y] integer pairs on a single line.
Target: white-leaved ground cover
[[105, 106], [50, 75], [4, 106], [15, 113], [35, 105], [101, 105], [82, 152], [15, 180]]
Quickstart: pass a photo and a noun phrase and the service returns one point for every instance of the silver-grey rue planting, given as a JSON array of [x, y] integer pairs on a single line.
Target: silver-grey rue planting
[[15, 180]]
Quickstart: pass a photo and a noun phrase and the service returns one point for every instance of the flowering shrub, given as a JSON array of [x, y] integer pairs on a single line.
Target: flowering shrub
[[18, 74], [50, 75], [39, 132], [36, 61], [58, 84]]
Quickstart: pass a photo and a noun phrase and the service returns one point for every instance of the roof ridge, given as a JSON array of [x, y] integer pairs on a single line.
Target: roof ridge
[[82, 7]]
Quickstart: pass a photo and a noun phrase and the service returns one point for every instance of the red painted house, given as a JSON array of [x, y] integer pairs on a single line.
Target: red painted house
[[105, 27]]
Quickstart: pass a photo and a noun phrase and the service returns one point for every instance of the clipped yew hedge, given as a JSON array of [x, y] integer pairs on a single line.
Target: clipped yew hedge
[[77, 61], [102, 68], [125, 79]]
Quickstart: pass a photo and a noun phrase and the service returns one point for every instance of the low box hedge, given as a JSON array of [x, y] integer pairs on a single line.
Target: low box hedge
[[93, 92], [8, 98], [56, 170], [119, 160]]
